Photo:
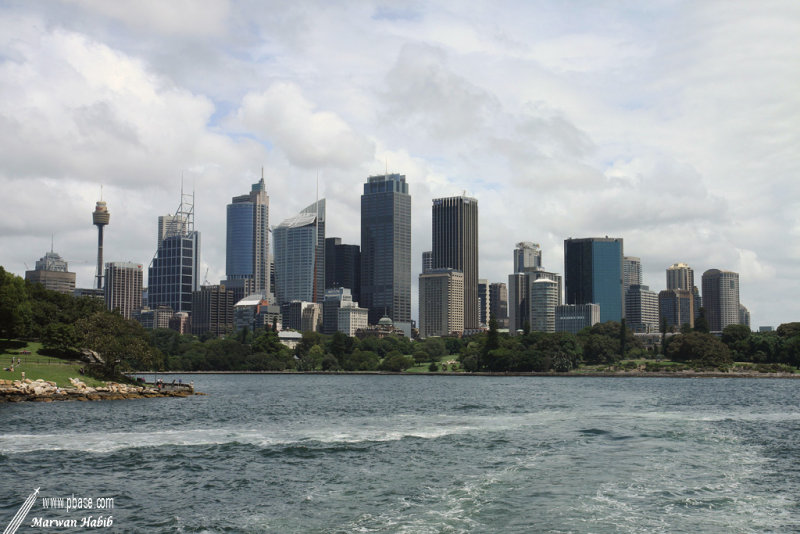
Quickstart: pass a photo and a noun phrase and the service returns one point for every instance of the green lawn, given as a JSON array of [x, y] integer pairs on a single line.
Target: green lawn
[[36, 365], [423, 368]]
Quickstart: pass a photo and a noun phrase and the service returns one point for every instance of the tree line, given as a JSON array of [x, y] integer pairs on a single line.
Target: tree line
[[66, 324]]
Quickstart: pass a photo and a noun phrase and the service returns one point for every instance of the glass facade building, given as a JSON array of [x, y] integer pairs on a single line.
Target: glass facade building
[[386, 248], [300, 256], [247, 242], [173, 274], [594, 274], [343, 266]]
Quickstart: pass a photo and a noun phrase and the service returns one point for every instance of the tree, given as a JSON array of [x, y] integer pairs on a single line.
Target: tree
[[734, 333], [434, 347], [703, 349], [311, 359], [60, 338], [123, 344], [396, 362], [470, 357], [338, 345], [330, 363], [701, 323], [360, 360], [788, 330], [15, 308], [623, 334]]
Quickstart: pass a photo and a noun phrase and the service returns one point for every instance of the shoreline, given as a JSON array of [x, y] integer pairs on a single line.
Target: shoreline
[[593, 374], [45, 391]]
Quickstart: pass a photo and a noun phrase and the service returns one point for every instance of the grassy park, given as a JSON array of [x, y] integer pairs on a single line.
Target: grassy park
[[36, 365]]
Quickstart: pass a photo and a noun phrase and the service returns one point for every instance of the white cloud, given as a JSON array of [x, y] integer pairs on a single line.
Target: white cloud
[[672, 125], [183, 17], [282, 116]]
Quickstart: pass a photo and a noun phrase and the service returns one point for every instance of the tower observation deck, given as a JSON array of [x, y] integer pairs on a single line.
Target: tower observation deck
[[100, 218]]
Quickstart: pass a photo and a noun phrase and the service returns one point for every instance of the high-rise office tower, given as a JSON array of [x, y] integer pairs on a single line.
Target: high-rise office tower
[[174, 272], [212, 310], [680, 276], [455, 246], [100, 218], [386, 248], [573, 318], [593, 272], [483, 302], [677, 307], [721, 298], [247, 243], [518, 303], [527, 256], [123, 287], [544, 299], [335, 299], [343, 266], [641, 309], [498, 303], [744, 315], [631, 272], [52, 272], [441, 299], [520, 286], [300, 256], [427, 261]]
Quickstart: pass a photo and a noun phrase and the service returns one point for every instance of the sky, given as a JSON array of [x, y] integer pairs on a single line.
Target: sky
[[672, 124]]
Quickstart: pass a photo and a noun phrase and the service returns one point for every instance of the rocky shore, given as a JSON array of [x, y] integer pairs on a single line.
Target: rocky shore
[[45, 391]]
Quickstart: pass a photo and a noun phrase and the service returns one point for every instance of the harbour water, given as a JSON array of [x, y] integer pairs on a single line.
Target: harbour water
[[416, 454]]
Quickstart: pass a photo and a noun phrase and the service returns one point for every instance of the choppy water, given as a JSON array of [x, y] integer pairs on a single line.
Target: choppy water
[[329, 454]]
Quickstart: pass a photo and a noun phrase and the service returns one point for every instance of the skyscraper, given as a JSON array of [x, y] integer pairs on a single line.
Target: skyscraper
[[212, 310], [498, 303], [484, 302], [631, 272], [247, 243], [441, 299], [544, 299], [123, 287], [593, 272], [455, 246], [677, 307], [641, 309], [386, 248], [427, 261], [680, 276], [527, 256], [343, 266], [52, 272], [519, 308], [173, 274], [300, 256], [721, 298], [100, 218]]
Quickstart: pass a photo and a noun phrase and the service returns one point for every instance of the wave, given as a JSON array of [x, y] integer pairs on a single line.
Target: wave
[[356, 432]]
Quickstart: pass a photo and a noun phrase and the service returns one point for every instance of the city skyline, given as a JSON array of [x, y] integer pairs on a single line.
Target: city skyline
[[561, 120]]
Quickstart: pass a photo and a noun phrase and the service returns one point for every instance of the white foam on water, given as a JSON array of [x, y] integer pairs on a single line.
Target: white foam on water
[[356, 431]]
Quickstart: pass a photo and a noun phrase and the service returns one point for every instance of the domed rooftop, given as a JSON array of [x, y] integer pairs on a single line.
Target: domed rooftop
[[385, 321]]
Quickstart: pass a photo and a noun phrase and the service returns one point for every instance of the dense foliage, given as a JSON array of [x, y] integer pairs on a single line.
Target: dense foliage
[[66, 324]]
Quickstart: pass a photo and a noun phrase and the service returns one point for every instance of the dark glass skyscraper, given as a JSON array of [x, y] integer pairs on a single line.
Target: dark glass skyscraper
[[173, 273], [455, 246], [593, 272], [386, 248], [343, 266], [247, 244]]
